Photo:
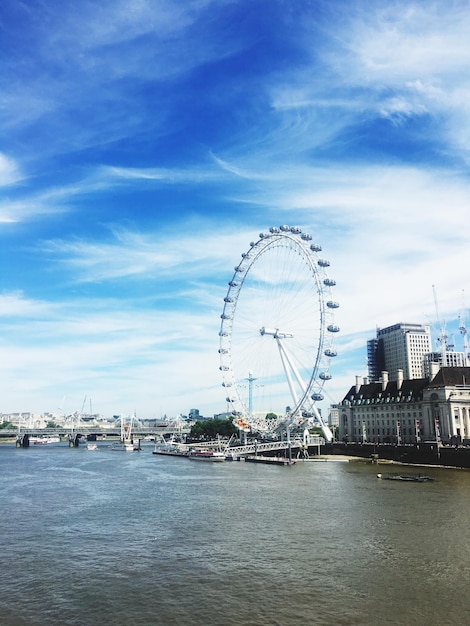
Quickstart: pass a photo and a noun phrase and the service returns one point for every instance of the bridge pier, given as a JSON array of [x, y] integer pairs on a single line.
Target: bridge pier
[[74, 440], [23, 441]]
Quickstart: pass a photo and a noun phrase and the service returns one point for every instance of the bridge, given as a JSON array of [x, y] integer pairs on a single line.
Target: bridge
[[92, 430], [91, 433]]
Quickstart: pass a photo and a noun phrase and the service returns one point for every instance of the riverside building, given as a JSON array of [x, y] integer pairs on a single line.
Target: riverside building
[[408, 411]]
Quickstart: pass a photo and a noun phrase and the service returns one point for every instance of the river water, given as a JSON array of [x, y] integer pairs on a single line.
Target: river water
[[114, 538]]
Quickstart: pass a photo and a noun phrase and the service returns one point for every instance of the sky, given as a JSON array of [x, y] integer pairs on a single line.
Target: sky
[[144, 144]]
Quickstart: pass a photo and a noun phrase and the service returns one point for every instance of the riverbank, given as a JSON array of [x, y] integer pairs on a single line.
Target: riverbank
[[425, 454]]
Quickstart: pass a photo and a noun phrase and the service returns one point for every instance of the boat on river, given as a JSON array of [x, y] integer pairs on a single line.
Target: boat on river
[[43, 441], [206, 455], [124, 446], [410, 478]]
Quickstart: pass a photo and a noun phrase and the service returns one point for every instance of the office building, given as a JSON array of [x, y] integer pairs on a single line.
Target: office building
[[399, 347]]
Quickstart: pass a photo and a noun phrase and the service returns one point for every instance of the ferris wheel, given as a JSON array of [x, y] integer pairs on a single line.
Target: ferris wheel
[[277, 329]]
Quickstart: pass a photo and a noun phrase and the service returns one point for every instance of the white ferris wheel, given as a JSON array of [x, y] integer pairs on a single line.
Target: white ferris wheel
[[277, 330]]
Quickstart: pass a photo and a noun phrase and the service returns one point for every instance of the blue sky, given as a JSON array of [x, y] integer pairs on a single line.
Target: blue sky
[[144, 144]]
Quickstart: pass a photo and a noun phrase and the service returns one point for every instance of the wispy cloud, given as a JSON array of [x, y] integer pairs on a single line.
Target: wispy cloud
[[160, 254], [9, 171], [29, 202], [196, 174], [16, 305], [98, 59], [78, 343], [396, 61]]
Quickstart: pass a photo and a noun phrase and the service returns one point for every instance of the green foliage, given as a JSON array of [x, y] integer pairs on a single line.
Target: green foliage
[[209, 429], [51, 425], [6, 425], [316, 430], [271, 416]]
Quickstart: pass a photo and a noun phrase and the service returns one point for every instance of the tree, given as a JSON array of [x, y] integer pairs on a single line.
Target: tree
[[210, 429], [316, 430], [271, 416]]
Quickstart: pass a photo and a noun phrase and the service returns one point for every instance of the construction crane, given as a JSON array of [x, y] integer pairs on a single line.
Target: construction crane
[[442, 331], [463, 331]]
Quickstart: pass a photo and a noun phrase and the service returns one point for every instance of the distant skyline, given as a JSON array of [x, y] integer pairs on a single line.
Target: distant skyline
[[145, 144]]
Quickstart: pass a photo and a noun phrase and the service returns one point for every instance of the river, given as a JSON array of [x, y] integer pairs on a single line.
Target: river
[[96, 538]]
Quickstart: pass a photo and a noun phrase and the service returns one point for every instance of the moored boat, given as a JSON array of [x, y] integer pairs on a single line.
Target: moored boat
[[40, 441], [127, 445], [206, 455], [411, 478]]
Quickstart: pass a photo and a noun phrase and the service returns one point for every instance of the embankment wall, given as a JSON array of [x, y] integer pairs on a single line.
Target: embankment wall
[[425, 453]]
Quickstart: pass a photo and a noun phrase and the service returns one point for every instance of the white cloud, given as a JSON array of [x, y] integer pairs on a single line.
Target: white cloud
[[397, 41], [16, 305], [9, 171], [396, 60], [77, 347], [157, 174], [390, 232], [30, 204], [399, 108], [90, 50], [163, 253]]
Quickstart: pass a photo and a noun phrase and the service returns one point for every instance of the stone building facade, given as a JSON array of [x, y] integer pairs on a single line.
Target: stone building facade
[[408, 411]]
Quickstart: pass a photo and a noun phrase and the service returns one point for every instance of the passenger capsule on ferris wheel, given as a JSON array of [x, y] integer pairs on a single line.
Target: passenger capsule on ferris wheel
[[331, 304]]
